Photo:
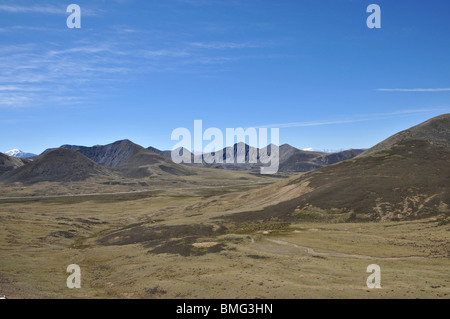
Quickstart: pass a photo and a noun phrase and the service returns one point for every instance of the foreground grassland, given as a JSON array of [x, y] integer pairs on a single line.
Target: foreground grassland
[[179, 244]]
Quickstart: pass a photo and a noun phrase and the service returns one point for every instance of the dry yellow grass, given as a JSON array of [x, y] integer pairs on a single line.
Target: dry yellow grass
[[213, 259]]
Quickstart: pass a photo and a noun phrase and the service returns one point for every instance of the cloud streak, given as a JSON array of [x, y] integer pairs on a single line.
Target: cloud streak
[[97, 62], [43, 9], [356, 119], [415, 90], [222, 45], [33, 9], [18, 88], [26, 68]]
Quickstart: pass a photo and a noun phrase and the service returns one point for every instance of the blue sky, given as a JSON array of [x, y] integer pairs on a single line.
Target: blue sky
[[139, 69]]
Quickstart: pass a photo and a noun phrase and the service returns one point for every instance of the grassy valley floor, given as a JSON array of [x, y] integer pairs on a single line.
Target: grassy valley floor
[[157, 245]]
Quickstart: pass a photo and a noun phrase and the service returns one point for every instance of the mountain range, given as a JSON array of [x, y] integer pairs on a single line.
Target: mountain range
[[121, 159], [403, 177], [291, 158], [126, 154], [129, 160]]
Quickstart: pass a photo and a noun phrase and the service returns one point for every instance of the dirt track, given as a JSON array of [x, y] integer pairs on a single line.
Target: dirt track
[[130, 192], [311, 251]]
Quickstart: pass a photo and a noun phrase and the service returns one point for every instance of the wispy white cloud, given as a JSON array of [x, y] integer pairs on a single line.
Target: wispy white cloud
[[163, 53], [44, 74], [98, 61], [204, 60], [33, 9], [26, 69], [43, 9], [213, 2], [355, 119], [223, 45], [18, 88], [20, 28], [415, 90]]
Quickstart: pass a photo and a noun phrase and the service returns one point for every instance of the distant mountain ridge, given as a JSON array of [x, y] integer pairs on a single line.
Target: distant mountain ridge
[[291, 158], [111, 155], [121, 154], [19, 154], [132, 160], [117, 154], [405, 176]]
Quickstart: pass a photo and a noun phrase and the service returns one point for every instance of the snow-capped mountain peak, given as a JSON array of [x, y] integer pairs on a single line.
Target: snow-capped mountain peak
[[14, 152], [19, 154]]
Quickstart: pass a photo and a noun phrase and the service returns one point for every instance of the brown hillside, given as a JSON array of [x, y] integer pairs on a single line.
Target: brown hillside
[[409, 179], [8, 163], [59, 165]]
